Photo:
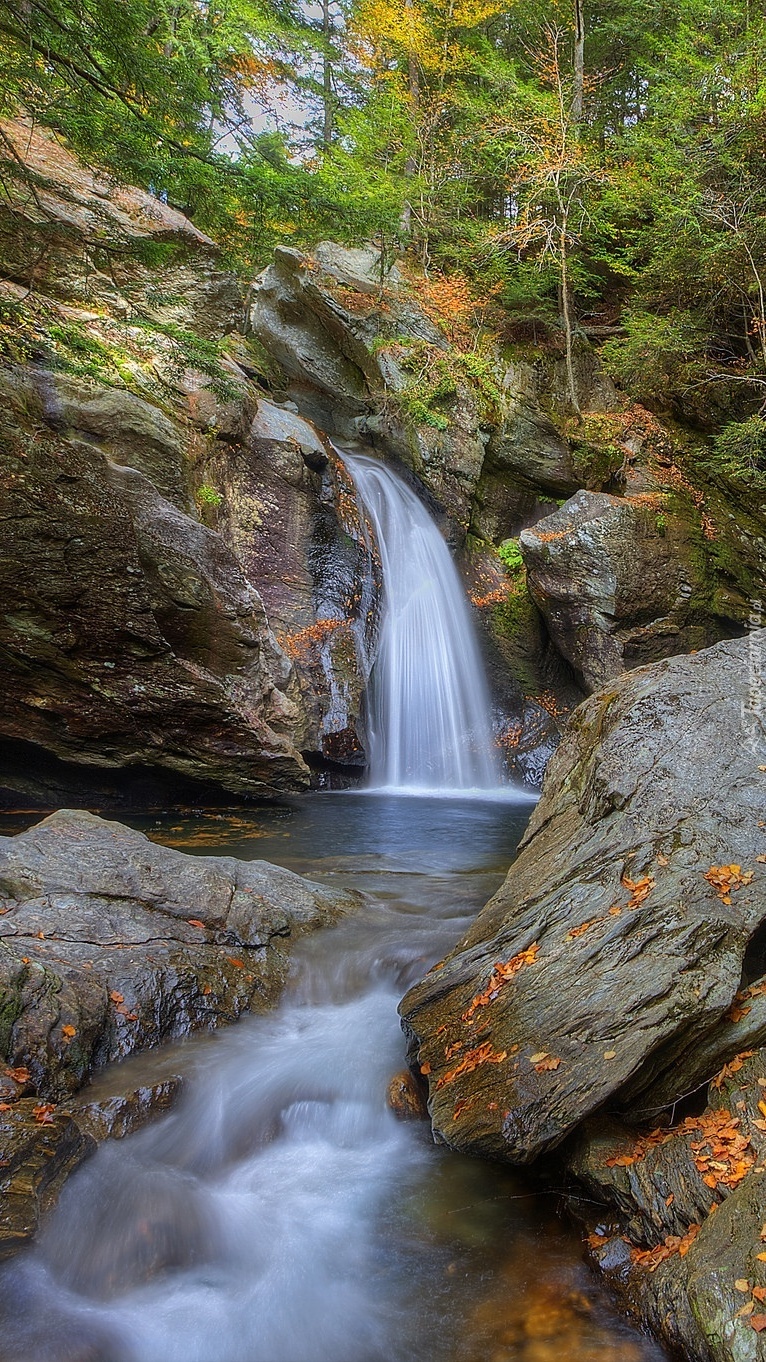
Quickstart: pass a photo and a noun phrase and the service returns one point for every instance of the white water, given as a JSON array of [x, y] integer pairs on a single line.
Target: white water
[[429, 710], [281, 1213]]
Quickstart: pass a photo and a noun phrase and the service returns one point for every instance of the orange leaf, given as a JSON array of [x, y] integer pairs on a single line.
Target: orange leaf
[[195, 922], [69, 1031], [116, 997], [19, 1075]]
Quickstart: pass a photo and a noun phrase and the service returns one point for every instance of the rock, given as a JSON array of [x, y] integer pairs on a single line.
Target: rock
[[125, 427], [42, 1145], [82, 238], [35, 1161], [290, 514], [131, 635], [679, 1233], [110, 943], [618, 584], [109, 1109], [607, 958], [530, 448], [359, 267], [406, 1098]]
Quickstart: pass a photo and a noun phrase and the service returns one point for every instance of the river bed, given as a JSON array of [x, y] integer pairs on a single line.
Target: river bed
[[281, 1213]]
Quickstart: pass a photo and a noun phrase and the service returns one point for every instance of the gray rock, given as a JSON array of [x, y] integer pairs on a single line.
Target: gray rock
[[130, 632], [617, 956], [110, 943], [618, 584]]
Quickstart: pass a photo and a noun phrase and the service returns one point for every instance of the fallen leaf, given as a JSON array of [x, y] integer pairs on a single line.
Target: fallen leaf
[[482, 1054], [116, 997], [535, 1059], [19, 1075], [610, 1054], [195, 922], [747, 1309], [547, 1064], [758, 1323], [425, 1069], [42, 1113], [69, 1031], [502, 972], [742, 1284]]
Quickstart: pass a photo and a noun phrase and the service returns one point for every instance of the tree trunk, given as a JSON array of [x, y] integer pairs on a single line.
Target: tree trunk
[[327, 97], [579, 62], [567, 317], [410, 166]]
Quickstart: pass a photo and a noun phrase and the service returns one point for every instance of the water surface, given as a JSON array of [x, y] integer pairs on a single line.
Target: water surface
[[281, 1213]]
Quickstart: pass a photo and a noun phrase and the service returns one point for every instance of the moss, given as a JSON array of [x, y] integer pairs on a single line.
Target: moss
[[597, 453]]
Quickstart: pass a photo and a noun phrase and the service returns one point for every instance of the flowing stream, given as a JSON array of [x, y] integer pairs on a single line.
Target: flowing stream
[[281, 1213], [429, 710]]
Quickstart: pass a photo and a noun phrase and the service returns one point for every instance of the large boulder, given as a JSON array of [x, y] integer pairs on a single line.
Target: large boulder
[[110, 943], [604, 968], [619, 582], [131, 635]]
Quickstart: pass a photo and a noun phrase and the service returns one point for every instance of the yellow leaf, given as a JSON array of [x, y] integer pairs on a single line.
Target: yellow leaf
[[742, 1284], [610, 1054]]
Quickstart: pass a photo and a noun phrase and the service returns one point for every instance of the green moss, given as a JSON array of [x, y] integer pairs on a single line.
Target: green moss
[[207, 496], [437, 377]]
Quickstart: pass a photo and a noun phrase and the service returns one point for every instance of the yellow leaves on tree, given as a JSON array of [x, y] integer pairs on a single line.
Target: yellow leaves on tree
[[726, 878], [501, 973]]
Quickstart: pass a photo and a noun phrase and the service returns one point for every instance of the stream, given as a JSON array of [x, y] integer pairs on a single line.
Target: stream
[[280, 1212]]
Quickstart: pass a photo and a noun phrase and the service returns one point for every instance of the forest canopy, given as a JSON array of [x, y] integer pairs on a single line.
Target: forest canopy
[[592, 162]]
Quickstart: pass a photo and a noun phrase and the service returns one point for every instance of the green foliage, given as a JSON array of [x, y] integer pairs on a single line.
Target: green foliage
[[659, 357], [510, 555], [207, 496], [739, 452], [187, 350]]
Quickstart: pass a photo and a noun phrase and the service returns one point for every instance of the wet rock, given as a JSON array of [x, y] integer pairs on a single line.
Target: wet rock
[[682, 1220], [41, 1145], [110, 944], [406, 1097], [110, 1110], [618, 583], [37, 1155], [607, 958]]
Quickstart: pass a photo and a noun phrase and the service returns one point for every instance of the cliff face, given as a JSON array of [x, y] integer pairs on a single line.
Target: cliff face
[[181, 581], [151, 503]]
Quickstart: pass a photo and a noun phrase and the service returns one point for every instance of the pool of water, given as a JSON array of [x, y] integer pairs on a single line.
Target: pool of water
[[281, 1212]]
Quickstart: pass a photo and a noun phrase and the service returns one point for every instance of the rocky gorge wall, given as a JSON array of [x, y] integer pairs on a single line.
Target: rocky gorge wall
[[186, 578]]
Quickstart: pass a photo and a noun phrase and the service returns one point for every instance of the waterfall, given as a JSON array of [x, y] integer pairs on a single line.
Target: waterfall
[[428, 702]]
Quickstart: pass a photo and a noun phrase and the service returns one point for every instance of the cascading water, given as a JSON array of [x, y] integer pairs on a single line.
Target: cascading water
[[429, 725]]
